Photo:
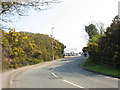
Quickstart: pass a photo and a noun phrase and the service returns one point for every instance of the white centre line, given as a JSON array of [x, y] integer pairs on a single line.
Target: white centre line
[[52, 69], [68, 81], [73, 84], [54, 75]]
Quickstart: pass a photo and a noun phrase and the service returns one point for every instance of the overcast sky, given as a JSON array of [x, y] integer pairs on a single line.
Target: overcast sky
[[69, 19]]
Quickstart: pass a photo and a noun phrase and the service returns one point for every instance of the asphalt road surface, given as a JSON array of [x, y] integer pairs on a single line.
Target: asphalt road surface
[[66, 73]]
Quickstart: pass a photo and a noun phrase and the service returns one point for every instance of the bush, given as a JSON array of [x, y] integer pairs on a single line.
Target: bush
[[23, 48]]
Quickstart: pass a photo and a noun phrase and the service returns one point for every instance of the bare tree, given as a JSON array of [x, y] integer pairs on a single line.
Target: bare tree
[[8, 9], [100, 25]]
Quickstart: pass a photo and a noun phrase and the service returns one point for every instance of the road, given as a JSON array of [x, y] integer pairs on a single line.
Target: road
[[66, 73]]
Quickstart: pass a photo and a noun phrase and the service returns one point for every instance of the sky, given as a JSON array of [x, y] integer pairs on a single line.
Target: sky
[[69, 19]]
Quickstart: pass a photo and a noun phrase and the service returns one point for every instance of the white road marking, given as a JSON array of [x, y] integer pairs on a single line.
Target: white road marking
[[54, 75], [69, 81], [73, 84], [111, 78], [52, 69]]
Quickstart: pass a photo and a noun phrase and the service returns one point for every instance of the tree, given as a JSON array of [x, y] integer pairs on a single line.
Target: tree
[[105, 49], [95, 38], [91, 30], [100, 25], [110, 43], [8, 9]]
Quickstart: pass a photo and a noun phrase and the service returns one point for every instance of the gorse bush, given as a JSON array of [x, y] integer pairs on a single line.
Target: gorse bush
[[24, 48]]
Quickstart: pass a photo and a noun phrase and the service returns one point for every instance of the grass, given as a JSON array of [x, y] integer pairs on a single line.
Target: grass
[[100, 68]]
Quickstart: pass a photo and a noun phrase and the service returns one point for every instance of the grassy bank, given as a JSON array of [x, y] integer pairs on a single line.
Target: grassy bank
[[100, 68]]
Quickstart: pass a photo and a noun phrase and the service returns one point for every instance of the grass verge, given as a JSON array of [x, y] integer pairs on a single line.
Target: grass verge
[[100, 68]]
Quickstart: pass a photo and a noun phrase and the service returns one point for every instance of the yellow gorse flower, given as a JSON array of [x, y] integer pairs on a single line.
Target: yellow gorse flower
[[25, 37]]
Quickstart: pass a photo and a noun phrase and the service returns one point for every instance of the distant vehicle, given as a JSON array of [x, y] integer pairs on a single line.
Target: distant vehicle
[[71, 54]]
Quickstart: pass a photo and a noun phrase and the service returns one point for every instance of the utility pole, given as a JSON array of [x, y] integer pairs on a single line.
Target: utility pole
[[52, 42]]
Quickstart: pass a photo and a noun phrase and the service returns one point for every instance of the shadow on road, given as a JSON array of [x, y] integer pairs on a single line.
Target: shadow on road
[[73, 65]]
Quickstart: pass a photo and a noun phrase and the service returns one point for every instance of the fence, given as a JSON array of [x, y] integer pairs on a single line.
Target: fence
[[106, 60]]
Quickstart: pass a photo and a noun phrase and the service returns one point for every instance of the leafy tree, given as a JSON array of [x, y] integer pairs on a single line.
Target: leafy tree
[[105, 48], [91, 30], [110, 44], [95, 38]]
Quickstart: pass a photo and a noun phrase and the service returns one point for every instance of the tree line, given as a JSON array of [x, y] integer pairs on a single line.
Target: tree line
[[104, 47], [24, 48]]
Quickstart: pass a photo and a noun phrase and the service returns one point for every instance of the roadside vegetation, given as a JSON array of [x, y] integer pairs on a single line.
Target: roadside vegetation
[[104, 48], [101, 68], [23, 48]]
